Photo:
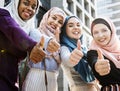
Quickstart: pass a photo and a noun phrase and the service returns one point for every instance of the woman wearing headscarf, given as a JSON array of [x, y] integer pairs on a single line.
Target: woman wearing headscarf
[[19, 43], [23, 12], [73, 56], [43, 75], [104, 54]]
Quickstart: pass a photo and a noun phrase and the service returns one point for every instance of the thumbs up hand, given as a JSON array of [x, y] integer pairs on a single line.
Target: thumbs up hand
[[76, 54], [53, 46], [37, 54], [102, 66]]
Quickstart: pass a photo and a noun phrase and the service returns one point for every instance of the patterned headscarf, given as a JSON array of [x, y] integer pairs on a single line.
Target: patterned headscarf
[[43, 27], [112, 49]]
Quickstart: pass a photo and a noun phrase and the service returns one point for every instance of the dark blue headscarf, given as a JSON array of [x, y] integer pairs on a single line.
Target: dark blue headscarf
[[82, 67]]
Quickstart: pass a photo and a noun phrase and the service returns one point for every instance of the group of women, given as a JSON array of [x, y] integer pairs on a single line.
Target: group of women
[[83, 67]]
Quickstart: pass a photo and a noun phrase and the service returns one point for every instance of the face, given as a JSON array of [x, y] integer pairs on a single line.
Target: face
[[101, 34], [27, 9], [55, 22], [73, 28]]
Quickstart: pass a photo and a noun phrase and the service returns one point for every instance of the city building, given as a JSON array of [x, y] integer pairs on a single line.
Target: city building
[[111, 9]]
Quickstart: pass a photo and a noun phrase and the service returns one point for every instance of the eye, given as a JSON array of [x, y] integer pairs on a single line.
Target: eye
[[104, 30], [26, 3], [70, 25], [54, 18], [78, 25], [34, 7], [60, 22], [95, 32]]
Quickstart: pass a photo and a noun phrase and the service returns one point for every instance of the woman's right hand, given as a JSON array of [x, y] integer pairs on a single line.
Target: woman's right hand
[[38, 54], [53, 46], [102, 66], [76, 54]]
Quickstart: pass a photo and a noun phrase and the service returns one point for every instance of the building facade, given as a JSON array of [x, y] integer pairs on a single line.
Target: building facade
[[111, 9]]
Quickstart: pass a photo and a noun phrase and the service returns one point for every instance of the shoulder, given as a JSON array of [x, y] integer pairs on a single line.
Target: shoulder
[[4, 12], [92, 52], [35, 34], [64, 48]]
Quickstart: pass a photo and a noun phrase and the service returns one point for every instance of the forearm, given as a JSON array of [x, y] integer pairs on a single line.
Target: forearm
[[65, 56], [14, 33]]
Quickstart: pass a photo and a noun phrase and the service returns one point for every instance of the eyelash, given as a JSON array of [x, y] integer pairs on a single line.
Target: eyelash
[[27, 4]]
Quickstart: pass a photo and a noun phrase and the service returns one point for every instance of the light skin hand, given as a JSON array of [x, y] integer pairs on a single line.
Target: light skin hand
[[53, 46], [102, 66], [76, 54], [57, 33]]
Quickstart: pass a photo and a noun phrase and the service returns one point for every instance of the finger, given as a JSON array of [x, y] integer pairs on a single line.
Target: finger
[[41, 43], [57, 32], [79, 45], [100, 56]]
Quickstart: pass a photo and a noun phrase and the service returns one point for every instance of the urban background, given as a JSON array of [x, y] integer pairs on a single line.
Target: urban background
[[86, 10]]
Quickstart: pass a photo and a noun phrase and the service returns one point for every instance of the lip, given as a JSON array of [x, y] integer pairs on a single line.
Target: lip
[[102, 40], [76, 32], [53, 27]]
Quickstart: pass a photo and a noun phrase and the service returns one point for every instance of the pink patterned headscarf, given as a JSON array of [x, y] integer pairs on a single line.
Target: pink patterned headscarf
[[44, 28], [112, 49]]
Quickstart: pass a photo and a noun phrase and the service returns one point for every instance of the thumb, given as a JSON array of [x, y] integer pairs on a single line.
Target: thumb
[[57, 32], [100, 56], [41, 43], [79, 45]]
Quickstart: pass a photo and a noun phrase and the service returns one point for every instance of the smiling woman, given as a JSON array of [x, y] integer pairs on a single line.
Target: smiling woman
[[73, 56], [27, 8], [104, 53], [43, 75], [24, 11]]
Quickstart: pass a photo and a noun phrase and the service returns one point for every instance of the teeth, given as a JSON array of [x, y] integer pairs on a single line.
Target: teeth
[[76, 32]]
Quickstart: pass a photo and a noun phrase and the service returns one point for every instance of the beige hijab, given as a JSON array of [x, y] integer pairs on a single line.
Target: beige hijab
[[112, 49], [44, 28]]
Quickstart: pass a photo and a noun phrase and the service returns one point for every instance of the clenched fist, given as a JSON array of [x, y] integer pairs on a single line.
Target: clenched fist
[[102, 65], [37, 54]]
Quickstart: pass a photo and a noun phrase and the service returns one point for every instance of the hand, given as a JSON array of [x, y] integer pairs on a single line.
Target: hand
[[102, 65], [57, 35], [53, 46], [76, 54], [37, 54]]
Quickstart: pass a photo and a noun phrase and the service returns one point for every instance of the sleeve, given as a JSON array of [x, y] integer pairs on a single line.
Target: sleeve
[[65, 55], [36, 36], [15, 34], [92, 58]]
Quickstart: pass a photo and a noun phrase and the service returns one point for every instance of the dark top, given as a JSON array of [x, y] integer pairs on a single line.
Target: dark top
[[14, 43], [112, 78]]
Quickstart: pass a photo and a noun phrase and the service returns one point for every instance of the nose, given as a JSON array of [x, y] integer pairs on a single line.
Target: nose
[[100, 34], [56, 23], [76, 27], [29, 8]]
